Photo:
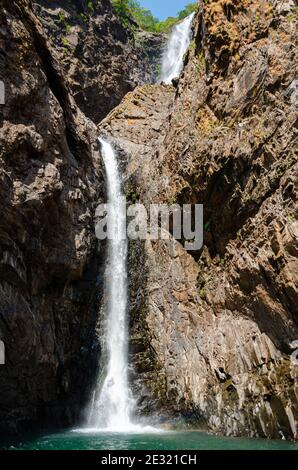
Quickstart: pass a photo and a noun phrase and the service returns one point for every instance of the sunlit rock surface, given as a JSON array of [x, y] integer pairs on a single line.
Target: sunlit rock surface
[[211, 330]]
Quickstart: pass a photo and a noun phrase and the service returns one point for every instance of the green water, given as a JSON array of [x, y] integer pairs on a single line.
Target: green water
[[155, 441]]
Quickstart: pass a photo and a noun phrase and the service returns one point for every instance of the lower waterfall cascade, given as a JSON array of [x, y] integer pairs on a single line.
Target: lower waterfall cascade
[[128, 136], [113, 407]]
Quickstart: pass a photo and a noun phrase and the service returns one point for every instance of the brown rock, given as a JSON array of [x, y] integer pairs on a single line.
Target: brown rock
[[214, 328], [50, 175]]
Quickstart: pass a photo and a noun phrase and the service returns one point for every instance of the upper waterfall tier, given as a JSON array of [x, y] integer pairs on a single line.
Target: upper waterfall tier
[[172, 62]]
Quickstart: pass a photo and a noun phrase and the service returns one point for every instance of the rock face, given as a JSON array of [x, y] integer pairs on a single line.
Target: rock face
[[100, 57], [58, 61], [211, 330], [151, 47], [51, 178]]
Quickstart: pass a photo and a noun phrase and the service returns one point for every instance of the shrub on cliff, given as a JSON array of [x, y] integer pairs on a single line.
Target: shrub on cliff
[[132, 12]]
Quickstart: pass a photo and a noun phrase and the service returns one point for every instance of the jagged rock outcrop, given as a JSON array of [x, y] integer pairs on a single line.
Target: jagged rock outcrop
[[101, 58], [151, 47], [145, 110], [58, 60], [51, 178], [211, 330]]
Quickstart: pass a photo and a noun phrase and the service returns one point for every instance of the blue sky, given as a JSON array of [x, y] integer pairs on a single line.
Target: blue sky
[[164, 8]]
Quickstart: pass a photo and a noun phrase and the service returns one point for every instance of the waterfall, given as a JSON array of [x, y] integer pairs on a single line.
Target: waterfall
[[113, 406], [172, 61]]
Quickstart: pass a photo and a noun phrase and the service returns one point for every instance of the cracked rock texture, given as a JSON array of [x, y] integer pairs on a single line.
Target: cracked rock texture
[[51, 178], [65, 65], [211, 331], [102, 59]]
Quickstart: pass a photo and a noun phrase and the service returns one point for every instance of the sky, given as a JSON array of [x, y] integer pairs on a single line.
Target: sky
[[164, 8]]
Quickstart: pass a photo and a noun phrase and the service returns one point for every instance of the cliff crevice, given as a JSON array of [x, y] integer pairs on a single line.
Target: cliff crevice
[[211, 330]]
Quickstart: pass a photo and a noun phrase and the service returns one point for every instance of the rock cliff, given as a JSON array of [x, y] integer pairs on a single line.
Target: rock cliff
[[51, 178], [211, 330], [101, 58], [64, 65]]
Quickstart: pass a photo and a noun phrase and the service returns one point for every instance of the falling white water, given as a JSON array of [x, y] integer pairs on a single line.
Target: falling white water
[[113, 407], [172, 61]]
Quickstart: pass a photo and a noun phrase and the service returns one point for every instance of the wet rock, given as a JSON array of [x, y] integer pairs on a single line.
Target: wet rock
[[51, 179], [216, 324]]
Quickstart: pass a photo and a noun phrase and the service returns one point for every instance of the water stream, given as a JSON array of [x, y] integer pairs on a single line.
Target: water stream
[[113, 405], [172, 61]]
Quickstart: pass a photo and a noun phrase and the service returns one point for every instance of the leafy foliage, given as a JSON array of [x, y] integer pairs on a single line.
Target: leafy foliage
[[129, 10], [188, 10]]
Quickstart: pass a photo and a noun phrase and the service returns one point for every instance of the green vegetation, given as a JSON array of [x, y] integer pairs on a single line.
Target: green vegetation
[[83, 17], [132, 196], [90, 6], [131, 11], [207, 225], [63, 21], [188, 10], [203, 293], [89, 11], [65, 42], [293, 14]]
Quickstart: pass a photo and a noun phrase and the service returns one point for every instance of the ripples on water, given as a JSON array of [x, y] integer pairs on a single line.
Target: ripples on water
[[165, 440]]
